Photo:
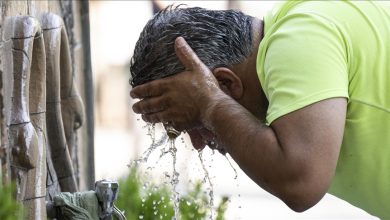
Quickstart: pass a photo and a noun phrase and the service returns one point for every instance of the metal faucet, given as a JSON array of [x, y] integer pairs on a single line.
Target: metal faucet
[[171, 132], [106, 192]]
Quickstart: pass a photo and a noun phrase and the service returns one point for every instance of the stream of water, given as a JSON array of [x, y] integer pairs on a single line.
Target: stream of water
[[167, 147], [207, 179]]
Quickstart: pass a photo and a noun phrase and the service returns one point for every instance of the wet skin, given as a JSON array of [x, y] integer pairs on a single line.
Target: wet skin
[[294, 158]]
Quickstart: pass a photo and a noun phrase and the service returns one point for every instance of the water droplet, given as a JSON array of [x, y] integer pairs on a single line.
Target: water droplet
[[169, 148]]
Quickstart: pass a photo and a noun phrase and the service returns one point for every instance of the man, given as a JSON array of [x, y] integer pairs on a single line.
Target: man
[[299, 100]]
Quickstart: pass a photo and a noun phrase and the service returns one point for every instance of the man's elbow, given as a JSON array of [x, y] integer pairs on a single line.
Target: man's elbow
[[300, 205], [303, 198]]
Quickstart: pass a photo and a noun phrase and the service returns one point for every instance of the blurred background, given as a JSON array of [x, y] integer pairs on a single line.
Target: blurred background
[[121, 137]]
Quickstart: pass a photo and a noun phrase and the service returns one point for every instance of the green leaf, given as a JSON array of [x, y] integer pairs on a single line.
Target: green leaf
[[10, 209], [153, 201]]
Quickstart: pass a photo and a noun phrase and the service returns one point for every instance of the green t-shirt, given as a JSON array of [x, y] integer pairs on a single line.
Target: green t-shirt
[[315, 50]]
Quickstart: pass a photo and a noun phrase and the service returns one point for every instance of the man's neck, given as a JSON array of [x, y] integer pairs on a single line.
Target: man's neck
[[257, 32], [253, 99]]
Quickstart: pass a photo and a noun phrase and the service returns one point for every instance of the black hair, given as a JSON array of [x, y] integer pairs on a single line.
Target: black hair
[[218, 37]]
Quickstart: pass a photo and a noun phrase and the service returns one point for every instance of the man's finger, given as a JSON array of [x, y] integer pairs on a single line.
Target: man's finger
[[150, 89], [151, 118], [158, 117], [150, 105], [186, 55], [146, 90]]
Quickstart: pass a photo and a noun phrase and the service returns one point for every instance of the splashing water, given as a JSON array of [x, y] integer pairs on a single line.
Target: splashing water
[[153, 146], [231, 165], [207, 179], [168, 147], [175, 178]]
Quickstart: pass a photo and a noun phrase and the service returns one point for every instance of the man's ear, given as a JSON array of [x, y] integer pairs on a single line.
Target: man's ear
[[229, 82]]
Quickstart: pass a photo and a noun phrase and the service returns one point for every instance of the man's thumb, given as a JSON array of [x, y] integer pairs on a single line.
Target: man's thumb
[[186, 55]]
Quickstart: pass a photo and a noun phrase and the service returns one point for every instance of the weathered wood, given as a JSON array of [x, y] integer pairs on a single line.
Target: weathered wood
[[13, 8], [36, 178], [4, 151], [23, 38], [37, 8], [54, 7], [71, 104], [23, 129], [85, 84], [58, 66]]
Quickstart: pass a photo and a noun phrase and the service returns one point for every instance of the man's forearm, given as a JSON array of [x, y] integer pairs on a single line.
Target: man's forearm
[[257, 150]]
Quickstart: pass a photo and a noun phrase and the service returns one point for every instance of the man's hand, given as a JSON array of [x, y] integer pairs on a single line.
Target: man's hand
[[181, 100]]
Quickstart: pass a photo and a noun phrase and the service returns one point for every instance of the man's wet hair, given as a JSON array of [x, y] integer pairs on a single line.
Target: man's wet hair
[[218, 37]]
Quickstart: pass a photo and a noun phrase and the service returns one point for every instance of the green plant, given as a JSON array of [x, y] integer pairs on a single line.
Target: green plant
[[149, 202], [222, 208], [9, 208], [157, 204], [194, 204]]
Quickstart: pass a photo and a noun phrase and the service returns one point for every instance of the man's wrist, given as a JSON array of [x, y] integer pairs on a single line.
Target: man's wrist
[[211, 108]]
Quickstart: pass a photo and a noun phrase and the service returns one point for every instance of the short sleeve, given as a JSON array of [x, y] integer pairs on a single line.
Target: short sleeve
[[302, 60]]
